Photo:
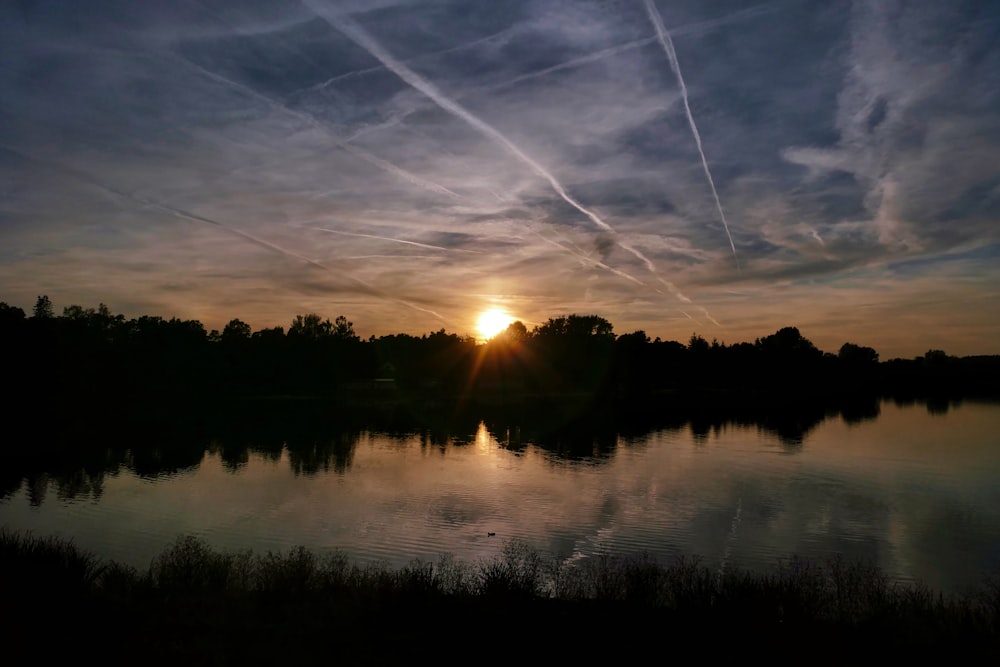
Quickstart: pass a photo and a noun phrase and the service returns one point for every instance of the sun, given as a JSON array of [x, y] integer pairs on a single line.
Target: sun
[[492, 322]]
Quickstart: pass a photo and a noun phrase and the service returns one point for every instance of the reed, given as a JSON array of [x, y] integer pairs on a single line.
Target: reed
[[46, 563], [192, 583]]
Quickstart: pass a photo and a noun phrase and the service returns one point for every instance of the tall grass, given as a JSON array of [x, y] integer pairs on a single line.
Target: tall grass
[[835, 593], [46, 563]]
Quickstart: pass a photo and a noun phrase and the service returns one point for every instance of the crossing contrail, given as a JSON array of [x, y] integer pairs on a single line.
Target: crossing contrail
[[357, 35], [668, 47], [180, 213], [362, 39], [83, 177], [310, 120], [368, 287], [152, 204], [585, 259], [392, 239], [693, 28], [378, 68], [596, 56], [673, 290]]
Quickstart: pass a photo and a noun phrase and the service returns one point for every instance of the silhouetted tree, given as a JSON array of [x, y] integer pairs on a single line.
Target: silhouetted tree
[[93, 353], [515, 332], [76, 313], [43, 308], [787, 343], [310, 327], [10, 315], [559, 345], [790, 362], [236, 331], [271, 335], [857, 355], [935, 358], [631, 365], [344, 330], [698, 345], [577, 325]]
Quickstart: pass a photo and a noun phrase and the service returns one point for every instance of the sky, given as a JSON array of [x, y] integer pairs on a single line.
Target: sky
[[676, 166]]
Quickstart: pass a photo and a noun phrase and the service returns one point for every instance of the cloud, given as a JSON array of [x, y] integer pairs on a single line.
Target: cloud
[[852, 154], [668, 46]]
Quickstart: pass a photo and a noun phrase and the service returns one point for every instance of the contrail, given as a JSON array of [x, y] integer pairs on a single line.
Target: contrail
[[673, 290], [710, 318], [369, 288], [414, 306], [354, 32], [181, 213], [645, 260], [576, 62], [680, 296], [310, 120], [149, 203], [392, 121], [590, 260], [277, 43], [569, 64], [668, 47], [389, 238], [692, 29], [575, 251], [362, 39], [307, 118], [378, 68], [360, 257]]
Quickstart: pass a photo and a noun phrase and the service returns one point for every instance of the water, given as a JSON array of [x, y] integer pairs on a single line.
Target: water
[[916, 491]]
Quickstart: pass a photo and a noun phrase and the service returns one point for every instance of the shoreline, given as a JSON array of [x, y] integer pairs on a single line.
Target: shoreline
[[223, 607]]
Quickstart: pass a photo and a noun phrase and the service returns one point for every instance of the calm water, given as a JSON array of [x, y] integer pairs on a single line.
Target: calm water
[[915, 491]]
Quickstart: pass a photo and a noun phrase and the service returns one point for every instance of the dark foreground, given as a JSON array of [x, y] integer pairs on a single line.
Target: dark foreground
[[195, 605]]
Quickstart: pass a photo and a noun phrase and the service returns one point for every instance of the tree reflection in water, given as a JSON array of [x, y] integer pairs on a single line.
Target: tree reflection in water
[[318, 438]]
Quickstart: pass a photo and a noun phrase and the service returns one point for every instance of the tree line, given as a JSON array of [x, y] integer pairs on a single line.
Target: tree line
[[89, 354]]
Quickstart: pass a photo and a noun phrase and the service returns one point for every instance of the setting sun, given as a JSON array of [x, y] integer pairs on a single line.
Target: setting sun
[[492, 322]]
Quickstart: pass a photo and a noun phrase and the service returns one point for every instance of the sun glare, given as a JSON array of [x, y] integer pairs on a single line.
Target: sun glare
[[492, 322]]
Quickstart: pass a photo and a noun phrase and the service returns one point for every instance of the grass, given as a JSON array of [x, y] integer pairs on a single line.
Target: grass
[[198, 603]]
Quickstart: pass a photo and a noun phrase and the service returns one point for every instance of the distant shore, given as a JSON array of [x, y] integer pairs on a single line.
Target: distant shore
[[87, 357]]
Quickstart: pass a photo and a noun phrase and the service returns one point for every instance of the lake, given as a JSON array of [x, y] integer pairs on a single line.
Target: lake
[[911, 487]]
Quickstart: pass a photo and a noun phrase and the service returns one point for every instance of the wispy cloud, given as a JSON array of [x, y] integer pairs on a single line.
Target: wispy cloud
[[389, 238], [258, 159], [359, 36], [340, 143], [668, 46]]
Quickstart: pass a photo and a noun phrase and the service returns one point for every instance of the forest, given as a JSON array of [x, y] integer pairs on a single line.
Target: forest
[[87, 354]]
